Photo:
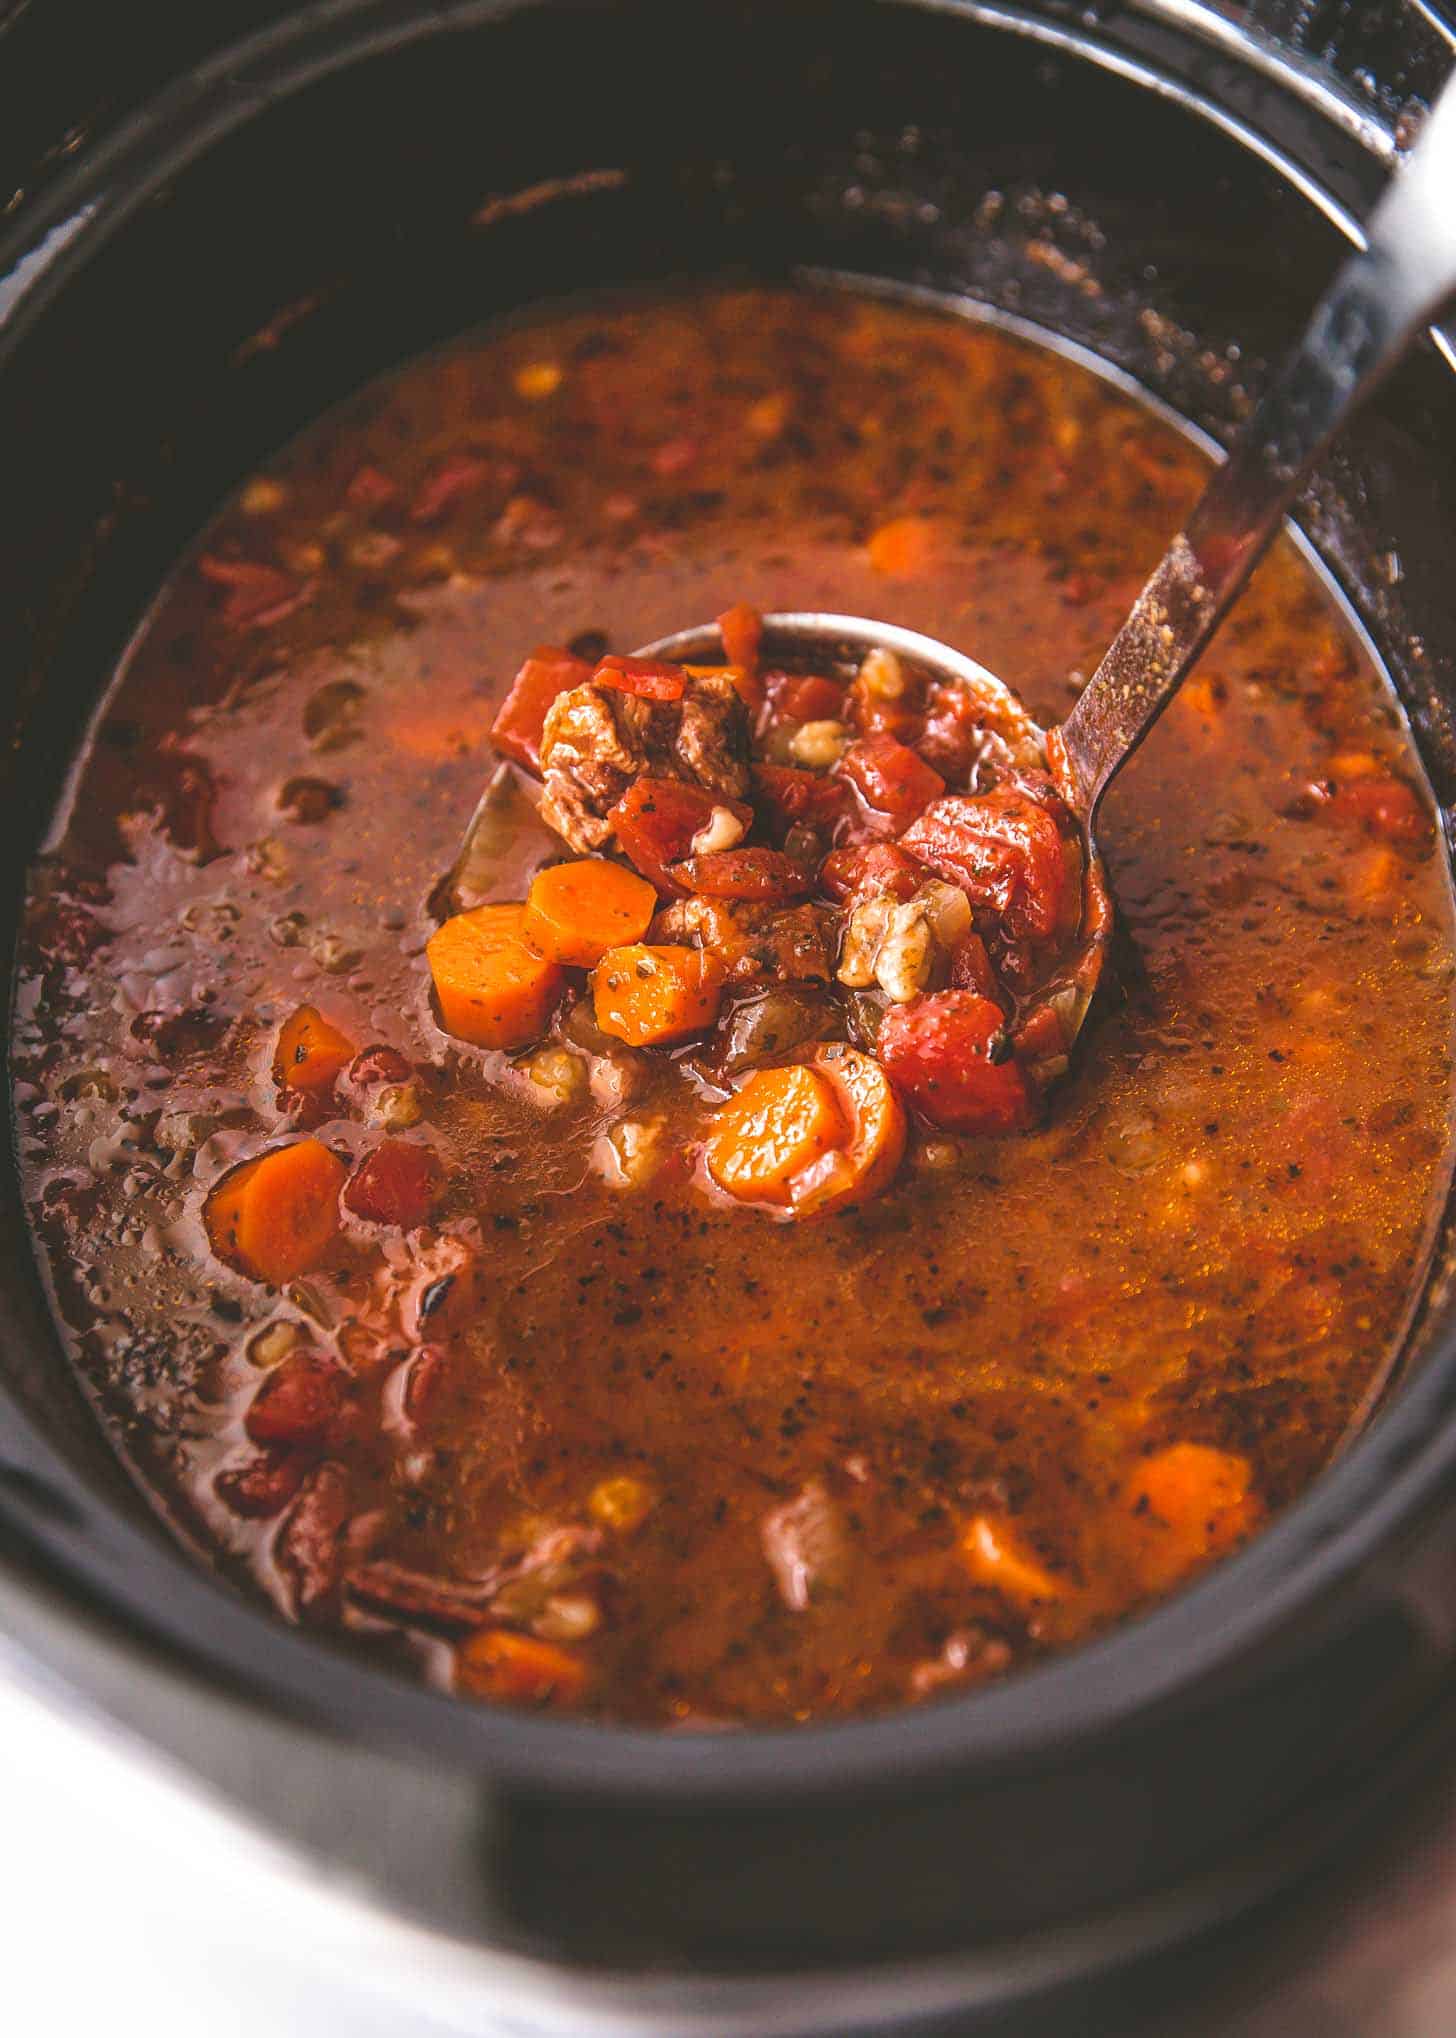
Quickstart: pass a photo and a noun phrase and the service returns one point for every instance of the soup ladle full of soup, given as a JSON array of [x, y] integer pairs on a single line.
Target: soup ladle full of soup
[[1381, 297]]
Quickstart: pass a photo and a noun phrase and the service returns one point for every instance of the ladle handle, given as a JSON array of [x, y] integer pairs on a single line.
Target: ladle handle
[[1379, 299]]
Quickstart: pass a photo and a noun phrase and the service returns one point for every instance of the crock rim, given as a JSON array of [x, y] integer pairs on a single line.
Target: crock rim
[[110, 1571]]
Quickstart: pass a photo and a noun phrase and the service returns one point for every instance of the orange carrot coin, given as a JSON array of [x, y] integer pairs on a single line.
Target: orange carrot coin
[[650, 997], [996, 1557], [517, 1669], [311, 1052], [275, 1217], [575, 912], [1184, 1506], [492, 987], [779, 1124], [906, 546]]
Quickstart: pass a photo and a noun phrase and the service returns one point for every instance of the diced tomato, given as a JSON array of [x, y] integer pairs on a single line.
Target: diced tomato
[[264, 1483], [674, 456], [449, 483], [893, 782], [648, 678], [939, 1050], [886, 718], [875, 713], [517, 728], [308, 1550], [803, 697], [377, 1064], [397, 1182], [298, 1402], [1383, 806], [656, 820], [370, 489], [794, 795], [1040, 1035], [741, 629], [860, 871], [1005, 851], [971, 970], [62, 931], [257, 595], [424, 1379], [744, 874], [950, 739]]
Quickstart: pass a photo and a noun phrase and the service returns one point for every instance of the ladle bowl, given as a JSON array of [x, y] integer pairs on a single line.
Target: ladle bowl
[[818, 642]]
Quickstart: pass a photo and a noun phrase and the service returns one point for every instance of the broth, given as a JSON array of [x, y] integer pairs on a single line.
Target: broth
[[726, 1469]]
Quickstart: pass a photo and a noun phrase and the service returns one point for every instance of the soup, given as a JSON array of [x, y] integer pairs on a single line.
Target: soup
[[493, 1334]]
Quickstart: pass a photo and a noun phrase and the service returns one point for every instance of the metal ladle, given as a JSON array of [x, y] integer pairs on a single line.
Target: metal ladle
[[1380, 298]]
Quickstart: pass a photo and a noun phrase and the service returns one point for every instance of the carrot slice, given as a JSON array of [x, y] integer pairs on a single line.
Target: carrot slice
[[996, 1557], [311, 1052], [575, 912], [517, 1669], [652, 996], [779, 1124], [436, 735], [275, 1217], [876, 1119], [492, 987], [741, 629], [1184, 1506], [907, 546]]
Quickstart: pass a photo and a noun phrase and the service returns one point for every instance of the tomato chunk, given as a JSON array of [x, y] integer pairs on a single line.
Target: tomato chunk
[[859, 872], [264, 1483], [1383, 806], [656, 820], [893, 782], [370, 489], [516, 730], [939, 1049], [970, 968], [456, 477], [298, 1401], [951, 738], [397, 1182], [1005, 850], [793, 795], [257, 595], [648, 678], [803, 697], [744, 874]]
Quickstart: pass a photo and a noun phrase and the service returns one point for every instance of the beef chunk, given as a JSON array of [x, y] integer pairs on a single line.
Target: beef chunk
[[597, 741], [756, 943]]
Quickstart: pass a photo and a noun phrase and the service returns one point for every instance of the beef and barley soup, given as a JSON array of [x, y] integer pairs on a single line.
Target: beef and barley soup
[[664, 1262]]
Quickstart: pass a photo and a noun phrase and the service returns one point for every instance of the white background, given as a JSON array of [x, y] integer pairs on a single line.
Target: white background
[[128, 1905]]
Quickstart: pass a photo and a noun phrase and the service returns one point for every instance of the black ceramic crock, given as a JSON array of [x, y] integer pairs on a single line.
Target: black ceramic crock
[[209, 243]]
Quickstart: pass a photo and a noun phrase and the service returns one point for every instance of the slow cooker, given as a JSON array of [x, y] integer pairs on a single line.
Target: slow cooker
[[221, 224]]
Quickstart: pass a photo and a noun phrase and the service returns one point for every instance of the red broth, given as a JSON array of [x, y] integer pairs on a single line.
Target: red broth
[[544, 1417]]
